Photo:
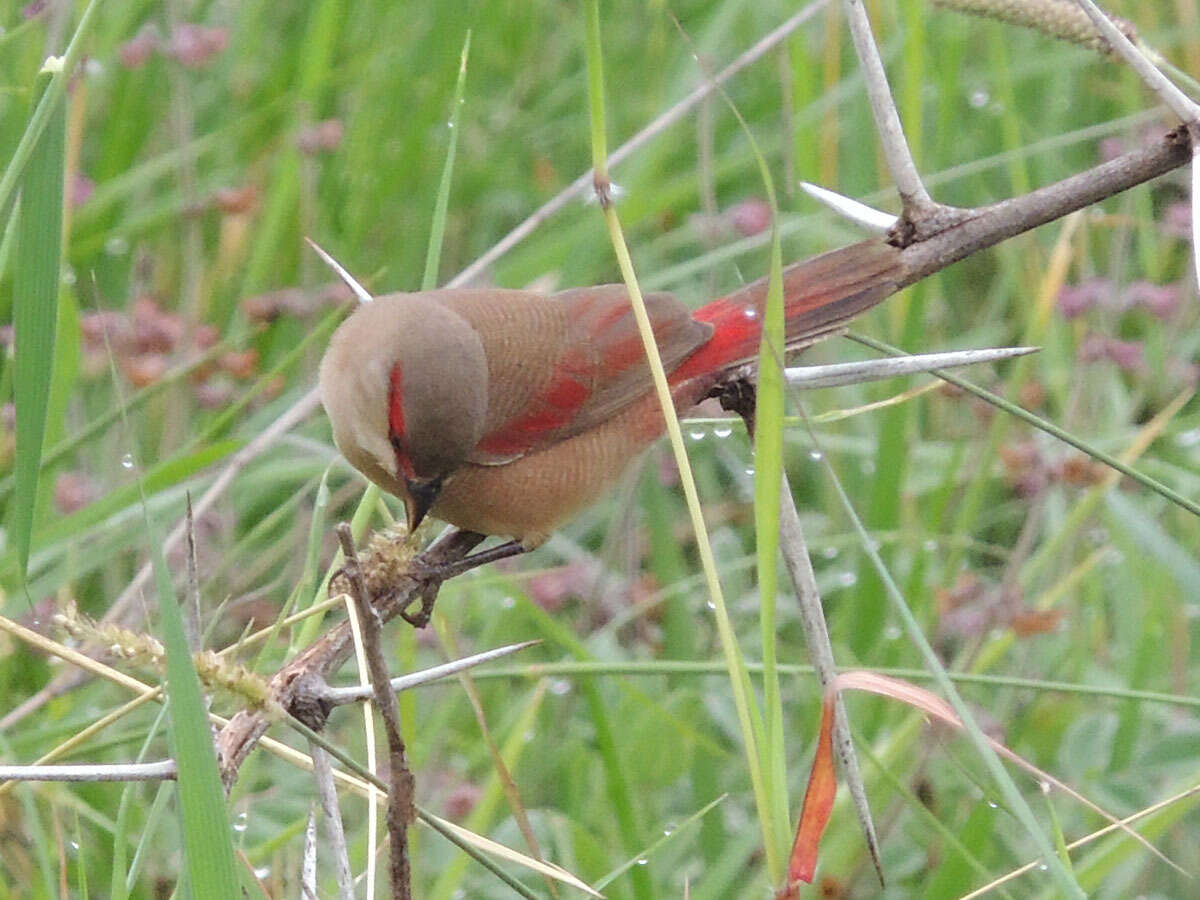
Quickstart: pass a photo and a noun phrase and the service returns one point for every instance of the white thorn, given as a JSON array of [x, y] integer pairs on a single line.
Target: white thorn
[[856, 212], [360, 292], [891, 366]]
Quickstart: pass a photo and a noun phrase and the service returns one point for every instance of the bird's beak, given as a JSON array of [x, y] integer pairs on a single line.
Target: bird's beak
[[421, 497]]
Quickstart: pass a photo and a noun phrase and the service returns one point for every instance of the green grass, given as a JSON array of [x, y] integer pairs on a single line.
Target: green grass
[[625, 735]]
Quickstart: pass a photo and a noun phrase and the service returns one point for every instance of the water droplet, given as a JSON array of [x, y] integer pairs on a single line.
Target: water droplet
[[642, 861], [262, 872], [508, 602], [750, 312], [1042, 867], [993, 804], [668, 829], [696, 434], [712, 606], [560, 686], [1188, 438], [978, 99], [241, 822], [830, 552], [93, 67], [127, 461], [1044, 786], [815, 455], [116, 246], [68, 276], [929, 546], [722, 431], [892, 633], [450, 124], [847, 579], [74, 845], [750, 471]]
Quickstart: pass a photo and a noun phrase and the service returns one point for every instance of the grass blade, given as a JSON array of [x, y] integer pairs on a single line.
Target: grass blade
[[437, 229], [207, 838], [35, 315]]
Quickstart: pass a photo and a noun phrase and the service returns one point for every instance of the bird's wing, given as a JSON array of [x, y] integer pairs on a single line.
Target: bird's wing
[[559, 364]]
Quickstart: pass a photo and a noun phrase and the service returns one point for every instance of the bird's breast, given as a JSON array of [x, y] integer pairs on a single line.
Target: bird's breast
[[528, 498]]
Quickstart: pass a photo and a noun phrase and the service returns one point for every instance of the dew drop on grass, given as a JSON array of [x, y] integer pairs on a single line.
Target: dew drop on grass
[[668, 829], [830, 552], [127, 461], [696, 434], [241, 822], [978, 99], [116, 246], [847, 579], [722, 431], [892, 633], [642, 861], [1189, 438], [815, 455], [560, 686]]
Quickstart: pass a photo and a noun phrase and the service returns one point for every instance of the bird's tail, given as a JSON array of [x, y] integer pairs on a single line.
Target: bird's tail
[[820, 296]]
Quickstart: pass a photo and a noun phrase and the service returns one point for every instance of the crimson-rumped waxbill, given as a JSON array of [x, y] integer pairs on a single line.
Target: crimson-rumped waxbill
[[505, 412]]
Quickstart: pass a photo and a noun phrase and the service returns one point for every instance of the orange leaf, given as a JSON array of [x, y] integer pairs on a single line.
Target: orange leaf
[[818, 804]]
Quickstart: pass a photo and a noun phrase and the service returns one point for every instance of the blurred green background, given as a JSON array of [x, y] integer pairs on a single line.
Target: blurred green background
[[205, 141]]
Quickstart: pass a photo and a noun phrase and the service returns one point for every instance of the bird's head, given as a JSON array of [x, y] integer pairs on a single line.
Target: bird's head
[[405, 385]]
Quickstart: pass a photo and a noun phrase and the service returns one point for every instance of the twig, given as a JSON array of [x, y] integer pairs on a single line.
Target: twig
[[336, 834], [308, 866], [164, 770], [986, 226], [917, 203], [336, 696], [400, 812]]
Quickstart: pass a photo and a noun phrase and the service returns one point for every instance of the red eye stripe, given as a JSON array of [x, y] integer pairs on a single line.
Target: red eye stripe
[[396, 421]]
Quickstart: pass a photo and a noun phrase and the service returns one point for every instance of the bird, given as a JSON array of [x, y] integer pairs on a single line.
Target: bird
[[506, 412]]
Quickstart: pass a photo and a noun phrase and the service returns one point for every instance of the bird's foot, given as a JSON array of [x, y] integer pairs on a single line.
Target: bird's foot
[[434, 575], [441, 572], [738, 396]]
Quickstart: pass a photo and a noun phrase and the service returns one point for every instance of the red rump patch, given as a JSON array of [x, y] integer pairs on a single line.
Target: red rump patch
[[396, 420], [736, 336]]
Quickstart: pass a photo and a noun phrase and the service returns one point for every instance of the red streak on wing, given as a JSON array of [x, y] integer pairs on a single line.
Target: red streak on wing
[[396, 421], [551, 410]]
